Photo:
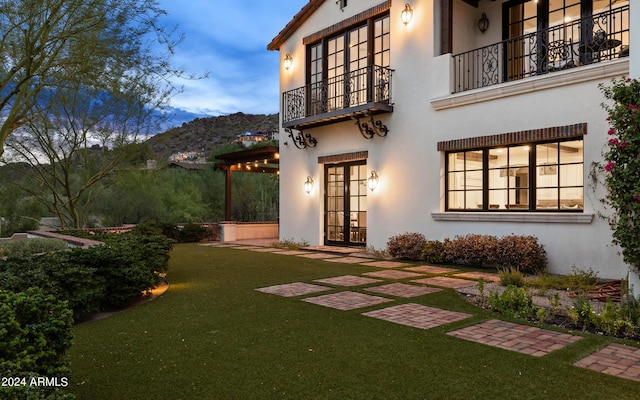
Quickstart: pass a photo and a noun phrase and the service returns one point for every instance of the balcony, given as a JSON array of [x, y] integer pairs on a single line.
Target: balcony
[[599, 38], [356, 93]]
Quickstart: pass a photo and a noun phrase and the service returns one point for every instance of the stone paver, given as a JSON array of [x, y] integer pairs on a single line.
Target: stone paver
[[417, 315], [293, 289], [521, 338], [392, 274], [485, 276], [293, 252], [346, 300], [446, 282], [616, 359], [402, 290], [386, 264], [348, 280], [267, 250], [347, 260], [319, 255], [430, 269]]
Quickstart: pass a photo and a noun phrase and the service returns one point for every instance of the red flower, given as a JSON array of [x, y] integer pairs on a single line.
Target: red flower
[[611, 131], [609, 167], [622, 145], [614, 141]]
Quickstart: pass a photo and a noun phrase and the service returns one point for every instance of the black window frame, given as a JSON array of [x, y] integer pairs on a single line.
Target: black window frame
[[531, 185]]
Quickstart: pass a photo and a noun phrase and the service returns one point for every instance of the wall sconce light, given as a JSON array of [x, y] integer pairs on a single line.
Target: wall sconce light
[[483, 23], [308, 184], [372, 181], [288, 61], [407, 14]]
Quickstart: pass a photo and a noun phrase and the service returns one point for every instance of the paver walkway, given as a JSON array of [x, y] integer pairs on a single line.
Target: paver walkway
[[348, 280], [417, 315], [293, 289], [402, 290], [521, 338], [346, 300], [615, 359]]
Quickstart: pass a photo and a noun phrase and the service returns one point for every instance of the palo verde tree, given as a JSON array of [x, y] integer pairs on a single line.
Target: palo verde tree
[[77, 74], [117, 45], [622, 166], [56, 144]]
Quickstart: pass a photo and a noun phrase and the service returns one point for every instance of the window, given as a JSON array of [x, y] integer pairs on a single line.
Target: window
[[339, 67], [544, 176]]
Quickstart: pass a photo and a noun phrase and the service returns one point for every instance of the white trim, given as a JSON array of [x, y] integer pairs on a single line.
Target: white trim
[[609, 69], [536, 217]]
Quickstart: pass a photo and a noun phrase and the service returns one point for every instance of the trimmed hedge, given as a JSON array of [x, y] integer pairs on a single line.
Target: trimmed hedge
[[94, 279], [522, 253], [34, 337]]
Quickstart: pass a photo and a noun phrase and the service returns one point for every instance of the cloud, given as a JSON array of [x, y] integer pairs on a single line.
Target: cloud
[[228, 41]]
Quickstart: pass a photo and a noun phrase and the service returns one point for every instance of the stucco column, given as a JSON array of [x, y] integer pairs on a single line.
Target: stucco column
[[634, 42]]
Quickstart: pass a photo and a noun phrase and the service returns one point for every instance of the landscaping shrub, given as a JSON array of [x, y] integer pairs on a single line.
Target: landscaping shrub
[[520, 252], [407, 245], [472, 249], [511, 276], [94, 279], [35, 335], [434, 251], [191, 233], [129, 264], [515, 302], [58, 274], [621, 320], [21, 248]]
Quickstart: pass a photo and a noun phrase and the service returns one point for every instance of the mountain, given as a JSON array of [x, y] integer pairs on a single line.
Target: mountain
[[208, 133]]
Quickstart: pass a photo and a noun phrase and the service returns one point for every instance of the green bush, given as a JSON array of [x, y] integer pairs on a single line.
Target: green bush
[[471, 249], [191, 233], [94, 279], [407, 245], [58, 274], [129, 264], [34, 338], [515, 302], [511, 276], [22, 248], [434, 251]]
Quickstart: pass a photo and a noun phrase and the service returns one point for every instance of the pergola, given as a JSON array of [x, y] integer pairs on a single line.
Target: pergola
[[262, 159]]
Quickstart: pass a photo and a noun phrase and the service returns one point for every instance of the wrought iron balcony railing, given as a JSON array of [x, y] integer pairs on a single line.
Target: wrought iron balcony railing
[[600, 37], [338, 98]]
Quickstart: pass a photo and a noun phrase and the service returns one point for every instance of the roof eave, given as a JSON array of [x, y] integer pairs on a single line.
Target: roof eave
[[294, 24]]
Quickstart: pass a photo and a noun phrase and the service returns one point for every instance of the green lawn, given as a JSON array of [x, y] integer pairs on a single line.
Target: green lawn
[[212, 336]]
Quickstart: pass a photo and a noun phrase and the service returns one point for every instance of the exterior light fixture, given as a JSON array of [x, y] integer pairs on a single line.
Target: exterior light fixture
[[308, 185], [288, 61], [483, 23], [372, 181], [407, 14]]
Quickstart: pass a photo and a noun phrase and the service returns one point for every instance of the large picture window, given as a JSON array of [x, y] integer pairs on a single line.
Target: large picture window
[[544, 176]]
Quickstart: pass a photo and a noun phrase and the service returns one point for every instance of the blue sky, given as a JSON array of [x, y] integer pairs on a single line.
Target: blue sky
[[229, 40]]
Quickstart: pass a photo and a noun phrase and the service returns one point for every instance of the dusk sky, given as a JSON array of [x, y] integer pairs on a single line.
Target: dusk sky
[[229, 40]]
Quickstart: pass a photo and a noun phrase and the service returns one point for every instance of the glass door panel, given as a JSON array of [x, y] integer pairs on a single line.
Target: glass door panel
[[346, 204]]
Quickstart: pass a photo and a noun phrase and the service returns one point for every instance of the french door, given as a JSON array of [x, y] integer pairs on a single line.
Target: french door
[[346, 204]]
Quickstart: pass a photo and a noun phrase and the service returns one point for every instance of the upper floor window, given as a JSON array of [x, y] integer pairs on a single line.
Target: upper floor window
[[340, 67], [543, 176]]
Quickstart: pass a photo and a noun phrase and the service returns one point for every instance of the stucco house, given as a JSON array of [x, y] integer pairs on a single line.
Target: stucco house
[[449, 117]]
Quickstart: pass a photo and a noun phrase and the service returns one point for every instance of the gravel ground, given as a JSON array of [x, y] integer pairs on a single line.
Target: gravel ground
[[472, 294]]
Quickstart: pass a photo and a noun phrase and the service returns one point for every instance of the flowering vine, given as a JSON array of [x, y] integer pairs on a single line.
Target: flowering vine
[[622, 165]]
